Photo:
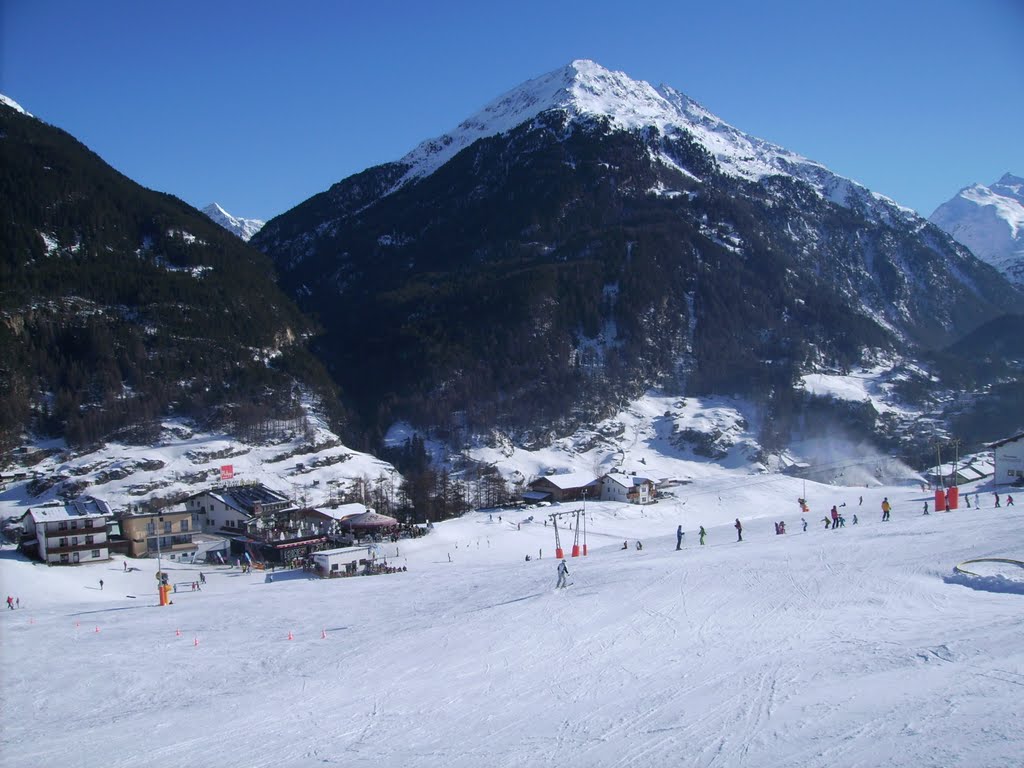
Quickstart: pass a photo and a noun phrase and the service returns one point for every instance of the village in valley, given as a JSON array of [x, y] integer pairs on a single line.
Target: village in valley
[[247, 524]]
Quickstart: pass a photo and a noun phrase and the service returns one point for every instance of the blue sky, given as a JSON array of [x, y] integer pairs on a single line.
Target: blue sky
[[259, 105]]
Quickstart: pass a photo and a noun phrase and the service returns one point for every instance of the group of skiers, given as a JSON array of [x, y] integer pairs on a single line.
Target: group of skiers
[[833, 521], [836, 519]]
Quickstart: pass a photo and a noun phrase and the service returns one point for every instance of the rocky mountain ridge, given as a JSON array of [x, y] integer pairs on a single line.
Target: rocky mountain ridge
[[587, 236], [990, 221]]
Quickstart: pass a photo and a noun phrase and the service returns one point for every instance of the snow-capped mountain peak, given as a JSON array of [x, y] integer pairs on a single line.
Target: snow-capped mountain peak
[[586, 88], [990, 221], [243, 228], [7, 101]]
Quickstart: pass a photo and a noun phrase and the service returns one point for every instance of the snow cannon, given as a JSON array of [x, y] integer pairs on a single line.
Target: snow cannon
[[940, 500]]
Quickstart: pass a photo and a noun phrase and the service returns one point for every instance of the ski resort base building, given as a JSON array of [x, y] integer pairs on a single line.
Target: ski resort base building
[[230, 509], [1008, 455], [572, 486], [627, 488], [167, 532], [68, 533]]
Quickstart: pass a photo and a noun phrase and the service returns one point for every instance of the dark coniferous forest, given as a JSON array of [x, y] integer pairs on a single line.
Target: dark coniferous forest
[[120, 305], [535, 282]]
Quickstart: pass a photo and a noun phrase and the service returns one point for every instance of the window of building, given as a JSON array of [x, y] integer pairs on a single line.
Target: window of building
[[167, 526], [96, 553], [184, 526], [62, 543], [74, 541], [62, 525], [88, 523], [150, 528], [89, 539], [64, 558]]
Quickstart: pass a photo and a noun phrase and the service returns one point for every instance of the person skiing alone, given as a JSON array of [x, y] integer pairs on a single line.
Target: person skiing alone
[[679, 538], [802, 520], [886, 508], [926, 508], [1009, 500], [702, 534], [563, 571], [855, 519], [739, 529]]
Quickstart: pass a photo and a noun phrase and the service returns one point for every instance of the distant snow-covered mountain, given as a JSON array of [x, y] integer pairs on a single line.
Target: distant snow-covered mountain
[[990, 221], [585, 88], [587, 236], [243, 228], [7, 101]]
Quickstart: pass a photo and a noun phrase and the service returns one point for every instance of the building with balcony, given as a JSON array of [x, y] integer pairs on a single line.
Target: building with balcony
[[628, 488], [231, 508], [168, 531], [68, 533]]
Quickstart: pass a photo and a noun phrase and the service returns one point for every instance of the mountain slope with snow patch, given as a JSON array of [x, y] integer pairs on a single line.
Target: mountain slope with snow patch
[[990, 221], [243, 228]]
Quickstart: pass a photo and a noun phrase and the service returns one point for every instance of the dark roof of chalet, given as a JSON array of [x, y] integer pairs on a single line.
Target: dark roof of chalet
[[244, 498], [1001, 443]]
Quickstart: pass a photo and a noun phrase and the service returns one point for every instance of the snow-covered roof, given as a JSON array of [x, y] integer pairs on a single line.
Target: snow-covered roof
[[1006, 441], [370, 519], [570, 480], [340, 551], [628, 481], [85, 507], [343, 510]]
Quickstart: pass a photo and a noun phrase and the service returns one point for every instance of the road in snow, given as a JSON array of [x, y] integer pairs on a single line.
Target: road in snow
[[845, 648]]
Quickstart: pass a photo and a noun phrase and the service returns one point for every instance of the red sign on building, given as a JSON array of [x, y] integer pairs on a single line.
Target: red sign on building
[[227, 471]]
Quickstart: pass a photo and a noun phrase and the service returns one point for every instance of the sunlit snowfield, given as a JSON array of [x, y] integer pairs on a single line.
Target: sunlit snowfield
[[845, 648]]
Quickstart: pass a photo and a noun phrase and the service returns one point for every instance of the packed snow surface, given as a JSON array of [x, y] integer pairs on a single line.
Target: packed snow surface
[[825, 648]]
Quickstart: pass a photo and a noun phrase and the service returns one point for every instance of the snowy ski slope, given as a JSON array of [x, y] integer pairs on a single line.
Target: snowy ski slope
[[848, 648]]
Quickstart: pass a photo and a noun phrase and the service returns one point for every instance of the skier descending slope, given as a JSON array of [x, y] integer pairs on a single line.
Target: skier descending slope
[[739, 530], [563, 571]]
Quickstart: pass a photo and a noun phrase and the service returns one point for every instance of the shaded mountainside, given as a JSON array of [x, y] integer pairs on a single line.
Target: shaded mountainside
[[118, 303], [543, 275]]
